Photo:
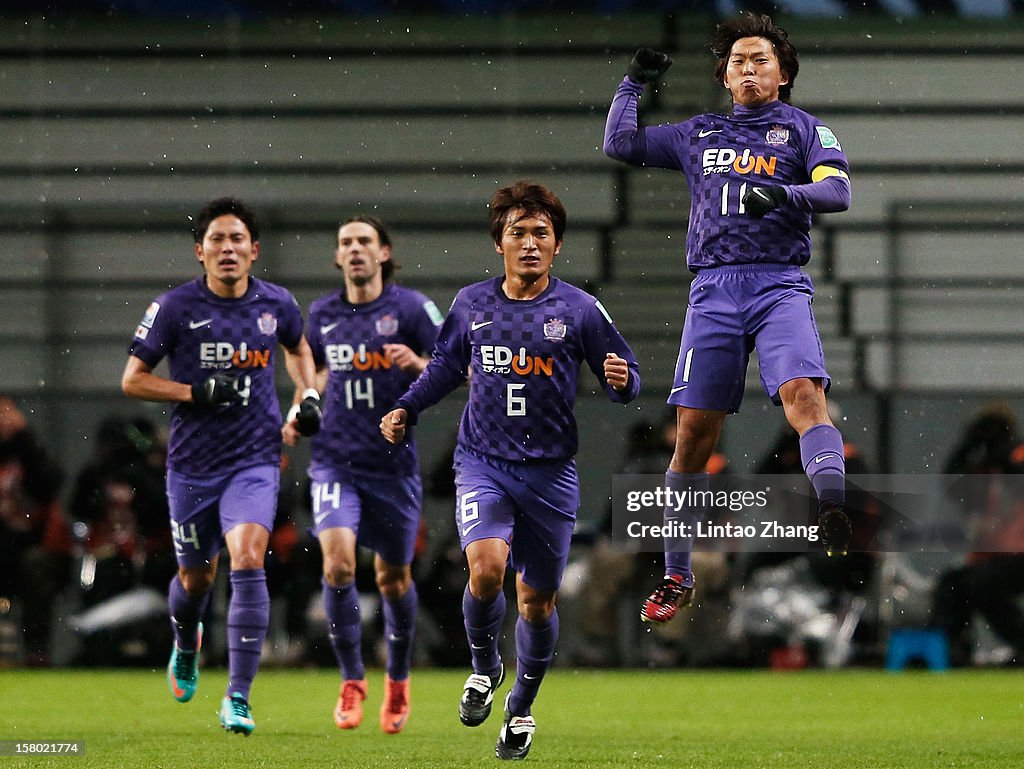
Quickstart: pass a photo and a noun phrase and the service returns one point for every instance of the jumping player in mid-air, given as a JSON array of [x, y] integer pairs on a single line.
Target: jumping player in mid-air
[[756, 176], [524, 336]]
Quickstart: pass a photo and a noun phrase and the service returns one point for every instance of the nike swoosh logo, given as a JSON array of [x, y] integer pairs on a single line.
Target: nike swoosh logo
[[474, 646], [481, 324], [823, 457], [701, 134], [677, 389], [247, 640], [470, 528], [528, 677], [194, 324], [761, 194], [328, 328]]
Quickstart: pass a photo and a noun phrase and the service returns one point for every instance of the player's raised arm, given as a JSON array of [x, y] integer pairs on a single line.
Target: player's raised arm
[[623, 138]]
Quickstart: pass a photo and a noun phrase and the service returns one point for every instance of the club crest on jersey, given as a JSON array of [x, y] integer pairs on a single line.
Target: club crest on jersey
[[777, 135], [386, 325], [267, 323], [554, 330]]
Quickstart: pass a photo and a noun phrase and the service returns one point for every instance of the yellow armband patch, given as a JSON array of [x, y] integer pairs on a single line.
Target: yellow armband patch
[[823, 172]]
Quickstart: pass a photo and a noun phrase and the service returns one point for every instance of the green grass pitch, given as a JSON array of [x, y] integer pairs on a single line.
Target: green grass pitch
[[671, 719]]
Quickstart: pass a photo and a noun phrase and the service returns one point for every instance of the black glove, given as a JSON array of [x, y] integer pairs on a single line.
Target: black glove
[[217, 390], [760, 200], [307, 414], [648, 65]]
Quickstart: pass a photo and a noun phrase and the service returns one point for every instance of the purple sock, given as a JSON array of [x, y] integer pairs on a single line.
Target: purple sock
[[399, 629], [248, 617], [483, 625], [344, 629], [677, 550], [821, 453], [535, 648], [186, 613]]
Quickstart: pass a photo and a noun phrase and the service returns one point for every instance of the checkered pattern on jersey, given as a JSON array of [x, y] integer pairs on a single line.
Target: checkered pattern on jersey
[[201, 334], [362, 385], [720, 155], [517, 410]]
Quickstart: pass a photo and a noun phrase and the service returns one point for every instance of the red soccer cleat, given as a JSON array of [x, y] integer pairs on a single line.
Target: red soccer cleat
[[394, 710], [670, 595], [348, 713]]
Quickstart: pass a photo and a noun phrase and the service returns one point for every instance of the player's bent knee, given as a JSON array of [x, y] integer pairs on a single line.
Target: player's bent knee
[[196, 581], [339, 576], [394, 585], [536, 610], [486, 583]]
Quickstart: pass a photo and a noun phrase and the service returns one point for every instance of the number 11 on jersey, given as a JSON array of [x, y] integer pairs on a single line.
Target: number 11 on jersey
[[740, 208]]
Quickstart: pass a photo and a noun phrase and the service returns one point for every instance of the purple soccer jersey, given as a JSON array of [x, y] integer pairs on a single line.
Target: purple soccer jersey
[[362, 383], [721, 157], [749, 291], [200, 333], [525, 357]]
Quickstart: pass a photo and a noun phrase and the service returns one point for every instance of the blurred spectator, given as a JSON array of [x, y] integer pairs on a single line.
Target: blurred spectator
[[120, 512], [853, 572], [35, 539], [616, 575], [990, 459], [827, 593]]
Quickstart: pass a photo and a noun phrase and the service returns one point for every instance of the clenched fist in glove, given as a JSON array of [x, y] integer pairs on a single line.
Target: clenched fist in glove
[[648, 65], [760, 200], [307, 413], [216, 390]]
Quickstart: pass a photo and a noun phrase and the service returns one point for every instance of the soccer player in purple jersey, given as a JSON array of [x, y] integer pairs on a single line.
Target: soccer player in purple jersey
[[368, 341], [523, 335], [219, 333], [756, 177]]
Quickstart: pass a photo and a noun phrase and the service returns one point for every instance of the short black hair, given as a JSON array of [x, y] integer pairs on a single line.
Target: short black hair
[[220, 207], [754, 25]]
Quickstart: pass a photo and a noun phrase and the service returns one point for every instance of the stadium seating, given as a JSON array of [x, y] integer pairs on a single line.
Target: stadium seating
[[111, 140]]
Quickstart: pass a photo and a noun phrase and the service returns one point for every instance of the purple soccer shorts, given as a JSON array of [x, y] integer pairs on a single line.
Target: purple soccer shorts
[[530, 506], [204, 510], [734, 310]]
